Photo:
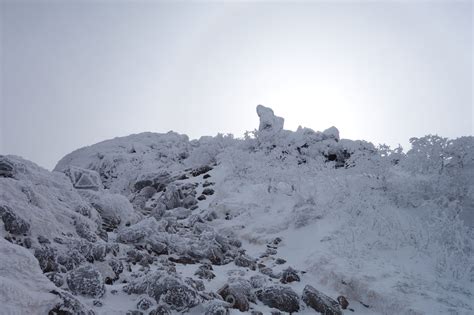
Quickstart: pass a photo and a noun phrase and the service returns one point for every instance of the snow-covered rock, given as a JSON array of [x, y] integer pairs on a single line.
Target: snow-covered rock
[[280, 297], [270, 125], [83, 178], [23, 287], [166, 225], [87, 281], [320, 302], [7, 168]]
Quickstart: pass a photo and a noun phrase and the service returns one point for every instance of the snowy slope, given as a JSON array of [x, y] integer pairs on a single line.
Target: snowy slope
[[155, 222]]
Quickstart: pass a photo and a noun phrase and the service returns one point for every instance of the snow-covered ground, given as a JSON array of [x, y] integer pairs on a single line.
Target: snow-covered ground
[[156, 223]]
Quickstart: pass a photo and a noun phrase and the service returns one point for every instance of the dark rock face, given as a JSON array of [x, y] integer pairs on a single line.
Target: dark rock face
[[97, 303], [157, 181], [13, 223], [7, 169], [207, 184], [343, 302], [280, 297], [201, 170], [289, 275], [320, 302], [87, 281], [43, 240], [208, 191], [280, 261]]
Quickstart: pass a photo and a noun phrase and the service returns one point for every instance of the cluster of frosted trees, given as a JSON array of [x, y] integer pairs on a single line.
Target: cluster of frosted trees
[[421, 199]]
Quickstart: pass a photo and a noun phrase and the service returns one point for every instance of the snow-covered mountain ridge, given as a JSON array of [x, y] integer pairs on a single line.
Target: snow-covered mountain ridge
[[278, 221]]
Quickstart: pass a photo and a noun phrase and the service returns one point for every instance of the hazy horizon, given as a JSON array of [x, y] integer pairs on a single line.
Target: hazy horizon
[[76, 73]]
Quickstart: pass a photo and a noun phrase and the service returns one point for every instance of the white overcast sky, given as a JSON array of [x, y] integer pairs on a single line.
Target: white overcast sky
[[77, 72]]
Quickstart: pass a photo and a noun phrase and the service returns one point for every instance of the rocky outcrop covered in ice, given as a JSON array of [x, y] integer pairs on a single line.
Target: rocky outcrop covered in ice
[[280, 221]]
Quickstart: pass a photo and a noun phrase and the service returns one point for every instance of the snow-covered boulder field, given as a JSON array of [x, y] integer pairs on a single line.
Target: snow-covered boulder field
[[277, 222]]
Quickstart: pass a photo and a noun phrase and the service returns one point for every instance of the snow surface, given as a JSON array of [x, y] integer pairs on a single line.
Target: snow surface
[[390, 231]]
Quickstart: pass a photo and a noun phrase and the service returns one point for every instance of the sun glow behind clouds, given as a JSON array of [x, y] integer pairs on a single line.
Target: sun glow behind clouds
[[382, 72]]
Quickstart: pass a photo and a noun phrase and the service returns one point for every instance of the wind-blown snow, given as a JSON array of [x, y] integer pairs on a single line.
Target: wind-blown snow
[[386, 229]]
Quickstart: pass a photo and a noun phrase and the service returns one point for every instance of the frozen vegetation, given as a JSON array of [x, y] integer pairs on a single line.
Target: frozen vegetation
[[277, 222]]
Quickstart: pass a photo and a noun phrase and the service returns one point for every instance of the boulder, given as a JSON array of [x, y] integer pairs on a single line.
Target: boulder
[[201, 170], [136, 233], [208, 191], [56, 278], [320, 302], [197, 285], [216, 307], [160, 310], [258, 281], [87, 281], [179, 213], [82, 178], [68, 305], [144, 303], [343, 302], [289, 275], [280, 297], [269, 123], [235, 297], [238, 293], [84, 231], [157, 246], [46, 258], [189, 201], [117, 267], [172, 291], [12, 222], [246, 262], [43, 240], [204, 272], [71, 259], [331, 133], [156, 180], [171, 197]]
